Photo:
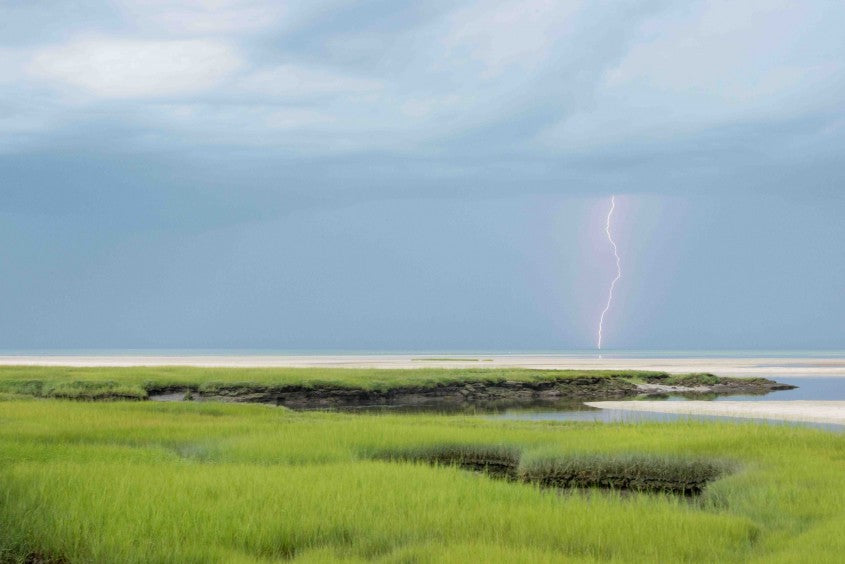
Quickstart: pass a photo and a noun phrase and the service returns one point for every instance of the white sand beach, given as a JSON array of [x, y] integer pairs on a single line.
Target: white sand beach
[[766, 367], [797, 410]]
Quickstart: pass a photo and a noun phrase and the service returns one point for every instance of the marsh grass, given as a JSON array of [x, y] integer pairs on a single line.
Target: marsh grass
[[494, 460], [694, 379], [208, 482], [138, 382], [628, 472]]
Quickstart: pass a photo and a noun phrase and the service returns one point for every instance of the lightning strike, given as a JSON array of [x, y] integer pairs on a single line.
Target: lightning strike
[[618, 269]]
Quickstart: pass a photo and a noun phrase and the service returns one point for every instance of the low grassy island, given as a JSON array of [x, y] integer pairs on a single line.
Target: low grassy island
[[352, 387]]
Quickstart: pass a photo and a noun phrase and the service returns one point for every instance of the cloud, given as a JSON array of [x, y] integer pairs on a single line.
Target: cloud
[[124, 68], [206, 16], [506, 35], [298, 81], [707, 66], [468, 93]]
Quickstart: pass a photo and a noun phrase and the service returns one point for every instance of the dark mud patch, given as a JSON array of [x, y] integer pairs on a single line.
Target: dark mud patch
[[624, 473], [44, 558], [639, 473], [33, 557]]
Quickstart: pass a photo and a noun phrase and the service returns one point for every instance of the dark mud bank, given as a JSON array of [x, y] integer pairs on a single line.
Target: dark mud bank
[[625, 473], [472, 393]]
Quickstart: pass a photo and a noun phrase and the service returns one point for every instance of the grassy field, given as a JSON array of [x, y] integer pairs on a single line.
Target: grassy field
[[200, 482], [95, 383]]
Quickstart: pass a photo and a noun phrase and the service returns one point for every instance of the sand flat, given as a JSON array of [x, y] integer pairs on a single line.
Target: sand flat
[[796, 410], [766, 367]]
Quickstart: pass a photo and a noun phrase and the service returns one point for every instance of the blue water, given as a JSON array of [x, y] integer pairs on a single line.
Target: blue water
[[809, 388]]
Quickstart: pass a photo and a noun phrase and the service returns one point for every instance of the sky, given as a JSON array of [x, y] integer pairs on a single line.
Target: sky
[[386, 175]]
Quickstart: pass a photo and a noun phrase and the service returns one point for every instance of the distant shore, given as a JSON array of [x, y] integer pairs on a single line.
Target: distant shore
[[794, 367]]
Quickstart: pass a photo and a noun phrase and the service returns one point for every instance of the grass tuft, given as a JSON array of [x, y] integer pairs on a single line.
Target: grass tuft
[[629, 471], [635, 472]]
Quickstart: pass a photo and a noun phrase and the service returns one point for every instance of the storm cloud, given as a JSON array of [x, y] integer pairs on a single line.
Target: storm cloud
[[133, 128]]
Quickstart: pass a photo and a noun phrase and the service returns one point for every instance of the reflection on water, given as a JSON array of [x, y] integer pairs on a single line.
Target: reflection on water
[[824, 388], [469, 408]]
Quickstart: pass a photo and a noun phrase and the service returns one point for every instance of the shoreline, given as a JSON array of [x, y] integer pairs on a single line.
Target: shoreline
[[737, 367], [471, 392]]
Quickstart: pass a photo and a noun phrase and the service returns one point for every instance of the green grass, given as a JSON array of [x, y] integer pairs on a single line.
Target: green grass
[[669, 474], [134, 383], [209, 482]]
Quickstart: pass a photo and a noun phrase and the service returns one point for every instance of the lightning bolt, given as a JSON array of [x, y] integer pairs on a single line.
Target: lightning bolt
[[618, 268]]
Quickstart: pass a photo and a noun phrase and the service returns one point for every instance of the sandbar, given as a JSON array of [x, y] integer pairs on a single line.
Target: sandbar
[[796, 410]]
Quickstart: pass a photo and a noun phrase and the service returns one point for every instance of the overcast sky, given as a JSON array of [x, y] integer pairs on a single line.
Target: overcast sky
[[421, 175]]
